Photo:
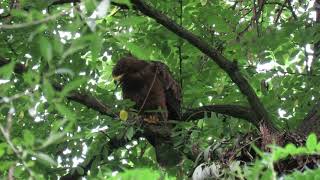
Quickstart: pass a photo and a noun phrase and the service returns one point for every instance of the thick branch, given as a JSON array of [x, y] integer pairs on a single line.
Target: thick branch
[[91, 102], [229, 67], [236, 111], [311, 122]]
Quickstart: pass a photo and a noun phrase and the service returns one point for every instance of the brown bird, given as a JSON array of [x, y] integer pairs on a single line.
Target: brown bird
[[157, 96], [151, 86]]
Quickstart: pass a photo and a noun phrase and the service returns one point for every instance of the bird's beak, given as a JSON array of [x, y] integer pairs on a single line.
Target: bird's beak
[[117, 78]]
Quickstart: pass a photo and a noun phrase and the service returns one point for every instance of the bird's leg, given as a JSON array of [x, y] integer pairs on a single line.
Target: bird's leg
[[163, 113]]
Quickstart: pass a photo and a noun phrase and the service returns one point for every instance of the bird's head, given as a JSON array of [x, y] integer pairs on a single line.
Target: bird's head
[[125, 66]]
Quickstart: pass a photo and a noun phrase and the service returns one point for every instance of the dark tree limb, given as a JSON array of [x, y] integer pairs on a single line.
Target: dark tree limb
[[231, 68], [92, 103], [291, 10], [59, 2], [280, 11], [311, 122], [236, 111]]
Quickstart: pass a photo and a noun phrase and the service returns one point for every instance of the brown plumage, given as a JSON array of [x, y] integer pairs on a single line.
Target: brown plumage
[[150, 85], [157, 96]]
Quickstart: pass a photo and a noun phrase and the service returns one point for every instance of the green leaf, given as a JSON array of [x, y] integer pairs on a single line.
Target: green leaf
[[28, 137], [132, 174], [79, 44], [57, 46], [30, 77], [291, 148], [52, 139], [48, 90], [45, 48], [311, 142], [5, 165], [126, 2], [64, 110], [73, 85], [203, 2], [90, 5], [6, 70], [267, 175], [130, 133], [45, 159], [3, 146], [96, 45], [80, 170]]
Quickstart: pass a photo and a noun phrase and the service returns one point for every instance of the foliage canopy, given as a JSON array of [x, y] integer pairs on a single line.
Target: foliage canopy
[[243, 66]]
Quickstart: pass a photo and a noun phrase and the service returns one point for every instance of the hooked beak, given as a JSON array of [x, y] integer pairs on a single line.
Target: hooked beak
[[117, 78]]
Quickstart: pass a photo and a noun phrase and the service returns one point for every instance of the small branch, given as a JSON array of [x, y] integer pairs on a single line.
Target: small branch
[[33, 23], [291, 10], [254, 18], [289, 6], [280, 11], [6, 135], [58, 2]]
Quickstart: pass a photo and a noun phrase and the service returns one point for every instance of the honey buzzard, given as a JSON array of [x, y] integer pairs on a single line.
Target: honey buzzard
[[151, 86]]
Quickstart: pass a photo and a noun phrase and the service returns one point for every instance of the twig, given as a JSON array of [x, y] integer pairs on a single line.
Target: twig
[[292, 11], [280, 12], [255, 17], [145, 99], [6, 135], [33, 23]]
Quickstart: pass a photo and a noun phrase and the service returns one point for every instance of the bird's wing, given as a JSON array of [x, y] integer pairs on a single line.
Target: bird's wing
[[172, 90]]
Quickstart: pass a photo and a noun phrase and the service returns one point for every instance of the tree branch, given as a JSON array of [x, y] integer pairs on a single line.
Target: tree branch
[[229, 67], [311, 123], [58, 2], [90, 102], [236, 111], [280, 12]]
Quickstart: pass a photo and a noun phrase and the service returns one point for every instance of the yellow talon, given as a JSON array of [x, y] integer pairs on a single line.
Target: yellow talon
[[152, 120], [117, 78]]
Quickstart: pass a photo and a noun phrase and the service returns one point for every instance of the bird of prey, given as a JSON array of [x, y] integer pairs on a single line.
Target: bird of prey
[[151, 86], [157, 97]]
